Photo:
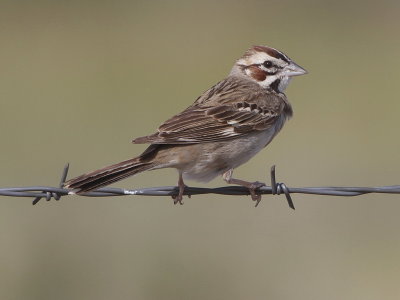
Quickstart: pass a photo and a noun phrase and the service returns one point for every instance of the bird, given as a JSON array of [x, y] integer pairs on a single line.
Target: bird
[[224, 128]]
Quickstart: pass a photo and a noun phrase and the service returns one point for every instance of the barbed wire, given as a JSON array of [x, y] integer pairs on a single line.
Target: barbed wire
[[276, 188]]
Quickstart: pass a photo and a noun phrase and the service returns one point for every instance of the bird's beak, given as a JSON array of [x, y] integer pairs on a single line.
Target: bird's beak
[[294, 70]]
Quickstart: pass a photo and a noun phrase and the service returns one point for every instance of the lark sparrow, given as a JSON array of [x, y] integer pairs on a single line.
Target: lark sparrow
[[225, 127]]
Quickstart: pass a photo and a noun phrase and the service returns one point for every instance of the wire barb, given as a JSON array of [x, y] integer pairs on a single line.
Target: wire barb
[[54, 195], [277, 188]]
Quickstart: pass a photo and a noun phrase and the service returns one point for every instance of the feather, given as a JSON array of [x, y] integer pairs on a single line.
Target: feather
[[221, 113]]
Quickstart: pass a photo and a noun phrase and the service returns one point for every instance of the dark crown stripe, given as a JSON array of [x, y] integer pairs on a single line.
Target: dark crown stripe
[[271, 52]]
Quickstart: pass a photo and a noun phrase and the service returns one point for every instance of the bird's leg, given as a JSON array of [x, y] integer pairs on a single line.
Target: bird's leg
[[252, 186], [181, 185]]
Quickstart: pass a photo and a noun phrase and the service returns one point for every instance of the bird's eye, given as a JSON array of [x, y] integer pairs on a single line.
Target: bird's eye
[[267, 64]]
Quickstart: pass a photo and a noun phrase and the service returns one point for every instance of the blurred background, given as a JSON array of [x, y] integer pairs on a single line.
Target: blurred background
[[80, 79]]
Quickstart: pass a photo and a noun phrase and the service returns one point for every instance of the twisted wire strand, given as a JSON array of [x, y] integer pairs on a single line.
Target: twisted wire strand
[[276, 188]]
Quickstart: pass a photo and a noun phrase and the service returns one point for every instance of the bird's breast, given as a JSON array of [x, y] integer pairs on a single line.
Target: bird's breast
[[214, 159]]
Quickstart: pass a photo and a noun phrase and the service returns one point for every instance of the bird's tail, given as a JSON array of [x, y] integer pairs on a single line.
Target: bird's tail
[[107, 175]]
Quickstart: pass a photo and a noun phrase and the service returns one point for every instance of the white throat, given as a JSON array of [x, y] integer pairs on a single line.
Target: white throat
[[284, 83]]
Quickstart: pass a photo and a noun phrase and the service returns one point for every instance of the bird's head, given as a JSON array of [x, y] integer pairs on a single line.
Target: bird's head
[[270, 68]]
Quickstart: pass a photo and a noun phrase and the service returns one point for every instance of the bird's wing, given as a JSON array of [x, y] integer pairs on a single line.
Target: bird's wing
[[199, 124]]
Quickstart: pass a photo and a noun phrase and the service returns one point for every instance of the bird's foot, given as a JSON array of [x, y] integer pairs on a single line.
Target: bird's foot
[[181, 185], [177, 199], [253, 186]]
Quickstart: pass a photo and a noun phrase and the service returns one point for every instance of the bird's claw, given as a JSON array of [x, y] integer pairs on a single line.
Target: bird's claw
[[254, 195], [179, 198]]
